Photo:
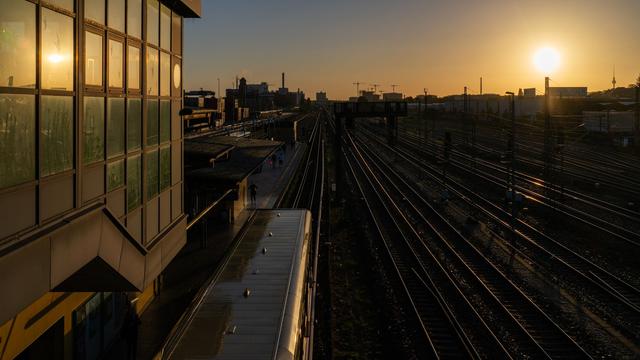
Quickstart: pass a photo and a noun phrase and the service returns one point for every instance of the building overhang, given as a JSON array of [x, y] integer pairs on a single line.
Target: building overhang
[[186, 8], [89, 252]]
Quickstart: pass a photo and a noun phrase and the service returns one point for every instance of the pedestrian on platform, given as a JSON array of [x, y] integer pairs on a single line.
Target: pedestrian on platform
[[253, 190], [273, 160], [280, 159]]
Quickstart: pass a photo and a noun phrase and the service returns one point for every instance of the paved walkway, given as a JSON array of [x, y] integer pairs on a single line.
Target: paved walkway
[[193, 266]]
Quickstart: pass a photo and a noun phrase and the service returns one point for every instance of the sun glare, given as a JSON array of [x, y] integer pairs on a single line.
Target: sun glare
[[546, 60]]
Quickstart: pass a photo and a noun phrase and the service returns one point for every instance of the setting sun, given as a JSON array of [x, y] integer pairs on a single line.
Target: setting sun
[[546, 60]]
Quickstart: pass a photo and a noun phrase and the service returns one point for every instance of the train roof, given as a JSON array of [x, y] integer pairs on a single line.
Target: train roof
[[269, 259]]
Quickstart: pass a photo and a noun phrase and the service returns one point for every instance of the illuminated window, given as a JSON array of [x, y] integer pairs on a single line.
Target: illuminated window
[[134, 124], [17, 139], [176, 74], [153, 10], [94, 10], [65, 4], [93, 61], [56, 134], [165, 28], [115, 127], [176, 34], [152, 122], [115, 175], [165, 74], [151, 162], [116, 15], [115, 63], [133, 68], [134, 182], [152, 71], [134, 18], [57, 51], [93, 130], [17, 44]]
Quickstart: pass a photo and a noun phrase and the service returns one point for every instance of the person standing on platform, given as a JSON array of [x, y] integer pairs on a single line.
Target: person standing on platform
[[273, 160], [253, 190]]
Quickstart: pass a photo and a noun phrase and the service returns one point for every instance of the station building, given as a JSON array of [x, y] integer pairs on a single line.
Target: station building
[[91, 175]]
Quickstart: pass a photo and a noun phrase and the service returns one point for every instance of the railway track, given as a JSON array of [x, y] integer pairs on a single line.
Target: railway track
[[533, 332], [618, 295]]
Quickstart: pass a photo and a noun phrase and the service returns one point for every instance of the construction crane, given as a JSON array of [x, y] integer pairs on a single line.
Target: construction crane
[[393, 87], [375, 87]]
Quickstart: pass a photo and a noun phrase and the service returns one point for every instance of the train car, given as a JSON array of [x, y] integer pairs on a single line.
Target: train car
[[258, 304]]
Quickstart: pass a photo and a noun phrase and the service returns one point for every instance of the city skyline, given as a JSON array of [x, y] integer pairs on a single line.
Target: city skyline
[[413, 44]]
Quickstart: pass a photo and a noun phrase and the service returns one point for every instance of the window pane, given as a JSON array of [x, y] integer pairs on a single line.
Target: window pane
[[115, 63], [165, 28], [165, 74], [134, 124], [152, 122], [57, 51], [17, 44], [152, 173], [152, 21], [93, 64], [165, 120], [115, 175], [56, 134], [152, 71], [65, 4], [165, 167], [17, 139], [177, 78], [115, 126], [134, 18], [134, 181], [93, 129], [133, 68], [176, 33], [94, 10], [116, 15]]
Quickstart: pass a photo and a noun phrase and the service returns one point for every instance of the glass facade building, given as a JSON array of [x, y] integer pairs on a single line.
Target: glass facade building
[[90, 136]]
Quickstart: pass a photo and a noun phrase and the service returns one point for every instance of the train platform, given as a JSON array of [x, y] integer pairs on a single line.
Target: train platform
[[191, 268]]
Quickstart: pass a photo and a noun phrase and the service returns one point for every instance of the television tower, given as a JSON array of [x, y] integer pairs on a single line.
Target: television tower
[[613, 82]]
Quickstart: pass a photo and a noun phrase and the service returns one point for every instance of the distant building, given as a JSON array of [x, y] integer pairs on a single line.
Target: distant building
[[609, 121], [568, 92], [392, 96], [368, 96], [321, 97], [529, 92]]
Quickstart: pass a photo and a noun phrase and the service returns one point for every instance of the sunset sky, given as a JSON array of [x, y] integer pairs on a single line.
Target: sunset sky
[[441, 45]]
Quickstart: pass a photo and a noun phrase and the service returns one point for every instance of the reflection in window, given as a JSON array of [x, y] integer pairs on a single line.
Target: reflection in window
[[94, 10], [177, 79], [134, 182], [151, 162], [115, 175], [93, 130], [116, 15], [57, 51], [134, 124], [115, 63], [152, 71], [152, 122], [165, 167], [165, 74], [165, 28], [17, 139], [17, 44], [165, 120], [56, 134], [134, 18], [93, 62], [65, 4], [153, 9], [133, 68], [176, 34], [115, 127]]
